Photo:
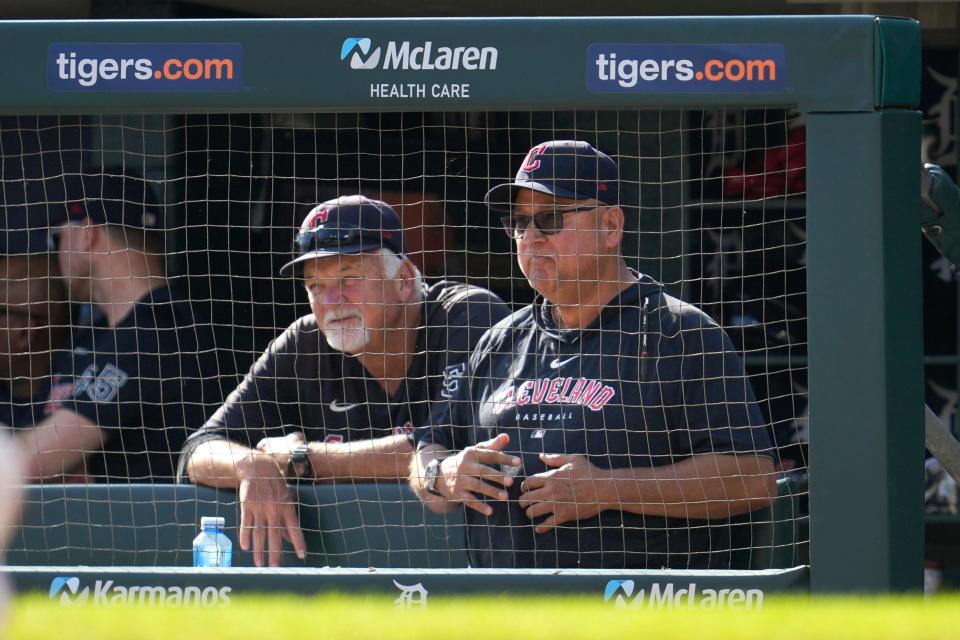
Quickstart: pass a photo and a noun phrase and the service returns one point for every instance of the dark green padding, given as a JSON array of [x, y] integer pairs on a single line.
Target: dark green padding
[[378, 525], [831, 63], [154, 525], [776, 537], [346, 525], [897, 63], [118, 525]]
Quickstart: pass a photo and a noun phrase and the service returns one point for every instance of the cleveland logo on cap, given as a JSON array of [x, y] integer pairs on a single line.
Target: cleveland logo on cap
[[345, 225], [532, 163], [571, 169], [316, 217]]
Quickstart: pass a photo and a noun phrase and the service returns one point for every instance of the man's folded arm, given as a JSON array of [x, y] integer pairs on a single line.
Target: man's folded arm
[[213, 461], [702, 487], [58, 444], [218, 462]]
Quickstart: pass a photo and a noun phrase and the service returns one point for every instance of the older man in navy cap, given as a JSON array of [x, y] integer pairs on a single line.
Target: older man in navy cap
[[337, 395], [132, 382], [607, 425]]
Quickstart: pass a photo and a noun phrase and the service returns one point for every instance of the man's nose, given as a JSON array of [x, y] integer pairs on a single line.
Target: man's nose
[[333, 294]]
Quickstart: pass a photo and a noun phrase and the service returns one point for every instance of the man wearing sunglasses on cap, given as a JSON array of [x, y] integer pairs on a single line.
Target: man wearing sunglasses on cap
[[337, 395], [607, 425]]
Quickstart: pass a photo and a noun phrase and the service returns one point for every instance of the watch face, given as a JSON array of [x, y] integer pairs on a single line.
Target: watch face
[[431, 474], [299, 463]]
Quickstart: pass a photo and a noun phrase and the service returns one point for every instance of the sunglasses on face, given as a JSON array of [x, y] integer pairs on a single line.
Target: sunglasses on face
[[547, 221]]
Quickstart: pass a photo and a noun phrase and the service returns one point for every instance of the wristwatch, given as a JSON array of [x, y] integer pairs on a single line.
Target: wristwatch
[[430, 477], [299, 465]]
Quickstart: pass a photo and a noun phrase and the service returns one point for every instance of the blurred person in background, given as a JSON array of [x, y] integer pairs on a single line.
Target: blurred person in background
[[34, 318], [129, 385], [10, 480]]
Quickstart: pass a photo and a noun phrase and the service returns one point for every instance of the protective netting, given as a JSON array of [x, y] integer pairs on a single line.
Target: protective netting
[[121, 341]]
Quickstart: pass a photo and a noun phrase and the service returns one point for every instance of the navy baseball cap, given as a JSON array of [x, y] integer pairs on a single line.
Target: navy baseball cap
[[563, 168], [24, 230], [348, 224], [113, 197], [29, 209]]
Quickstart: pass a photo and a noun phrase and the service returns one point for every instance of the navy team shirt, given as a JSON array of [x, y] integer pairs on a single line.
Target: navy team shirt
[[653, 381], [18, 413], [300, 383], [146, 383]]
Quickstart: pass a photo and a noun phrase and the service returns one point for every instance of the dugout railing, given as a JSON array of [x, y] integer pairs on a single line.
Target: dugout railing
[[346, 525], [855, 79]]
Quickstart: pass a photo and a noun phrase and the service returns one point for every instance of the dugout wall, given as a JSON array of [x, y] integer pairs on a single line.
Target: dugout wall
[[853, 80]]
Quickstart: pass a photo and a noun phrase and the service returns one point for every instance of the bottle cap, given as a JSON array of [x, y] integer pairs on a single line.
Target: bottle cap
[[213, 522]]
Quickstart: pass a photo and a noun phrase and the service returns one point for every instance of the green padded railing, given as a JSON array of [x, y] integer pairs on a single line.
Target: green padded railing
[[345, 525]]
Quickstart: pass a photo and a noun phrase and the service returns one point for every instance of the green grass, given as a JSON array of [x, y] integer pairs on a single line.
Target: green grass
[[512, 618]]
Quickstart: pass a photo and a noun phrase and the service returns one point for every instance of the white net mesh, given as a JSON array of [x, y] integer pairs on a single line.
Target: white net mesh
[[166, 315]]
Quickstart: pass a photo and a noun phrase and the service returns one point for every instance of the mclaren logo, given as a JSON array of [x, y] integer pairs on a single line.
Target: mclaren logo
[[361, 58], [413, 56], [623, 593]]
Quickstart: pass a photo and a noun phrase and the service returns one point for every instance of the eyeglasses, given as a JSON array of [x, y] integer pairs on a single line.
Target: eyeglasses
[[547, 221]]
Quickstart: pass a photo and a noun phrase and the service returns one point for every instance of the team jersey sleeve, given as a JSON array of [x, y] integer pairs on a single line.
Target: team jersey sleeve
[[453, 417], [470, 314], [444, 414], [720, 410], [262, 404]]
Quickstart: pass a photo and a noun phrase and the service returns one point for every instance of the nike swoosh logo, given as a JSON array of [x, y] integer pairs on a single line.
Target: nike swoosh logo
[[556, 364], [341, 407]]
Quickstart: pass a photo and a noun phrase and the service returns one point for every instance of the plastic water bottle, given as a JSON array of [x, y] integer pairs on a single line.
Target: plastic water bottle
[[212, 548]]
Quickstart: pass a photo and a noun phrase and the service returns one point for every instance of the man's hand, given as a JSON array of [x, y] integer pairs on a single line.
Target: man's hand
[[472, 473], [267, 510], [281, 448], [570, 491]]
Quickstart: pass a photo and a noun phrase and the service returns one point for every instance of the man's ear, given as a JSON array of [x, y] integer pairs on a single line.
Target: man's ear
[[84, 235], [407, 280], [95, 236], [611, 225]]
